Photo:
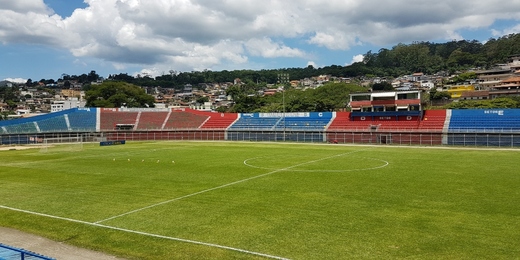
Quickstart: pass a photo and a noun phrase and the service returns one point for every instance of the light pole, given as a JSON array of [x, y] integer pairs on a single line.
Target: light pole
[[283, 78], [283, 114]]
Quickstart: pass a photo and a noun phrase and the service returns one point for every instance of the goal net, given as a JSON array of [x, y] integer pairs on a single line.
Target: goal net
[[62, 144]]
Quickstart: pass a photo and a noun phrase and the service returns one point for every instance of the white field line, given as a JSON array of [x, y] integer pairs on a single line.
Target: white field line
[[147, 234], [385, 163], [223, 186], [179, 198]]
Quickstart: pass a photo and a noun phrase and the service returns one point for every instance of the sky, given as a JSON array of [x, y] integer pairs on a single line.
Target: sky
[[44, 39]]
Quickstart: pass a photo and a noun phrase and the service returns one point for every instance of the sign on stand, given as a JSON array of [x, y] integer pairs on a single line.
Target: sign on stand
[[107, 143]]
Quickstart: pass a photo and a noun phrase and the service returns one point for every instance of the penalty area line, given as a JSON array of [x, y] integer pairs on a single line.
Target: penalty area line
[[146, 234]]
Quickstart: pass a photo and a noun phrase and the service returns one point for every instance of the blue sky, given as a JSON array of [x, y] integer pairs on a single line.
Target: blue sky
[[42, 39]]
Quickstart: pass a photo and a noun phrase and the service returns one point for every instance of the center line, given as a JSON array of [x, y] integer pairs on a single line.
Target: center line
[[223, 186]]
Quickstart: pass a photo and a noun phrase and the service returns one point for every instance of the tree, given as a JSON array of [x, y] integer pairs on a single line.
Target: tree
[[92, 76], [9, 95], [221, 109], [504, 102], [201, 100], [463, 77], [11, 104], [248, 104], [459, 58], [118, 94], [234, 91], [3, 115], [438, 95]]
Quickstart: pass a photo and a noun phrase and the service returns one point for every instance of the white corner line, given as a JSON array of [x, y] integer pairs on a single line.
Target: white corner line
[[147, 234]]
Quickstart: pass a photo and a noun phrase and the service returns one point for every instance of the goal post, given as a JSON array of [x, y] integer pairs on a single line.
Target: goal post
[[63, 143]]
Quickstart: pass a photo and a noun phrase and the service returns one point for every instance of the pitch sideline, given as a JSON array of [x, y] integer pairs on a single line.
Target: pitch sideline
[[146, 234]]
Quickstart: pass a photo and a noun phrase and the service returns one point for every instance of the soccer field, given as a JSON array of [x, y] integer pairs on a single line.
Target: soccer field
[[237, 200]]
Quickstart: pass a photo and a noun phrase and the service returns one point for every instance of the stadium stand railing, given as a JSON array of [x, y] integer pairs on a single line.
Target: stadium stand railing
[[14, 253]]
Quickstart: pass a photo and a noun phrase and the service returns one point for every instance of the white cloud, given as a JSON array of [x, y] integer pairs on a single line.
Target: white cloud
[[333, 40], [151, 72], [40, 28], [268, 49], [16, 80], [80, 62], [507, 31], [312, 63], [356, 58], [200, 34], [25, 6]]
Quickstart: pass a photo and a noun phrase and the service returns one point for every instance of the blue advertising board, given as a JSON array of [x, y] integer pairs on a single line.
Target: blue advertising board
[[107, 143]]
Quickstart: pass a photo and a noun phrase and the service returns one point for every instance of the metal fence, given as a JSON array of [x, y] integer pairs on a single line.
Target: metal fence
[[67, 137], [277, 136], [484, 139], [345, 137], [427, 139]]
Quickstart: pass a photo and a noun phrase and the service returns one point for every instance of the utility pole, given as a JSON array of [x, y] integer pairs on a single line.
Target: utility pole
[[283, 78]]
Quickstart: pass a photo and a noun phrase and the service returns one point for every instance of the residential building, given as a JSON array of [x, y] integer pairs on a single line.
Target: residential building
[[59, 105], [488, 79], [507, 87], [457, 90], [475, 95], [72, 93]]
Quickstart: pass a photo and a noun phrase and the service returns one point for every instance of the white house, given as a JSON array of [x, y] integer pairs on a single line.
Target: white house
[[427, 84], [59, 105]]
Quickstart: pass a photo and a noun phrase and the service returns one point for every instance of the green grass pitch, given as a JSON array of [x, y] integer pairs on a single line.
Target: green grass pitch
[[237, 200]]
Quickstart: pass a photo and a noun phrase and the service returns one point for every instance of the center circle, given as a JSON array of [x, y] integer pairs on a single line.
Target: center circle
[[362, 164]]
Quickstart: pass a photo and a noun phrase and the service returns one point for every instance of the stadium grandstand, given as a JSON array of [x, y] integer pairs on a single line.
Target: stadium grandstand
[[377, 117]]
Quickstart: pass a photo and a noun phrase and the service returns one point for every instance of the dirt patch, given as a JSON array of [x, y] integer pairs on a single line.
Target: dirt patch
[[6, 148], [47, 247]]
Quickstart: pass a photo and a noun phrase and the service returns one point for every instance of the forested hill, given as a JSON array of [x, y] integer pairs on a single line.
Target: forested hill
[[401, 59], [430, 57]]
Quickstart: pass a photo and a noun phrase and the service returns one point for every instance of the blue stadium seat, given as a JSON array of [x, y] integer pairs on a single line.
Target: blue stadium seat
[[484, 120], [83, 119]]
